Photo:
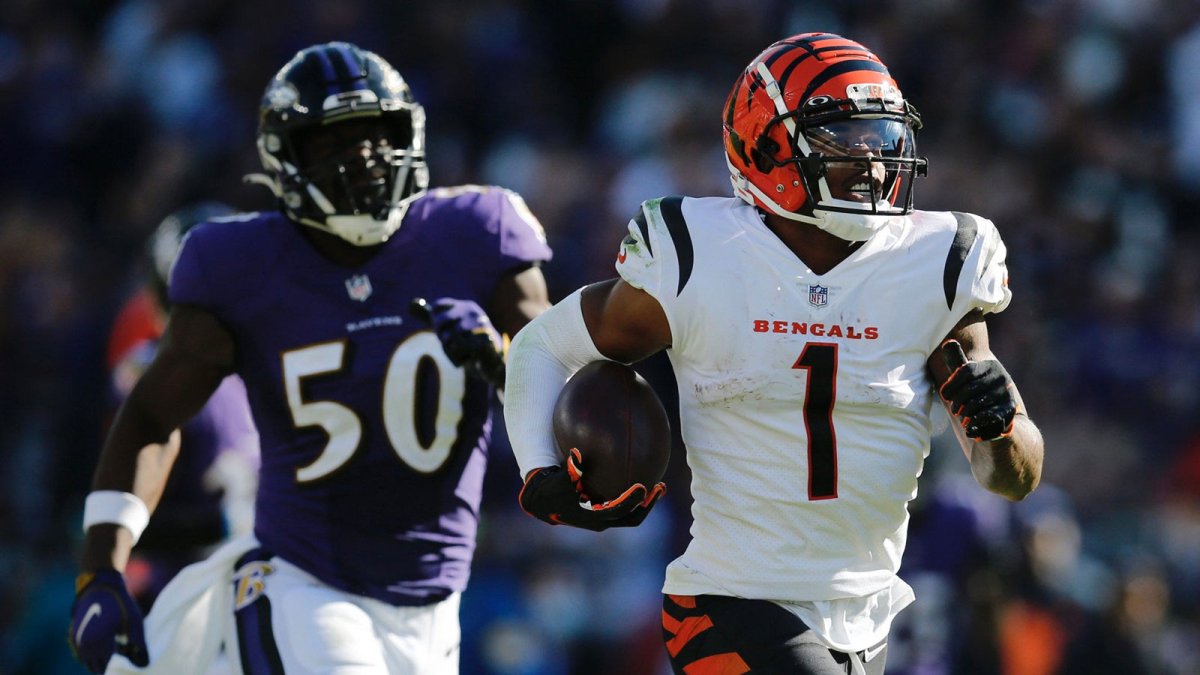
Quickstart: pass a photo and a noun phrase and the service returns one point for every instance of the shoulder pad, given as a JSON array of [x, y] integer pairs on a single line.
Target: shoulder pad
[[660, 223]]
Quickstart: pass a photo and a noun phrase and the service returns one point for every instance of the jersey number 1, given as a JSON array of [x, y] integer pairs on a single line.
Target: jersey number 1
[[820, 360]]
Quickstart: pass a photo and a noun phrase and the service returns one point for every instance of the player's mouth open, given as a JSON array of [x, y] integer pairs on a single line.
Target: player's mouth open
[[860, 191]]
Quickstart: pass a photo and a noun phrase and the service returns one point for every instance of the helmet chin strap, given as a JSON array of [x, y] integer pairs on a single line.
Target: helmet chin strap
[[266, 181], [363, 229], [848, 226], [358, 229], [773, 93]]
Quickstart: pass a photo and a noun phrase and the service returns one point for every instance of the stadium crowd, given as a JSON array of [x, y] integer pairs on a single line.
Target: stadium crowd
[[1073, 124]]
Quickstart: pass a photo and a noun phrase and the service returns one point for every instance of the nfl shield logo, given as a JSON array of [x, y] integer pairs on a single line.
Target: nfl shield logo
[[359, 287], [818, 296]]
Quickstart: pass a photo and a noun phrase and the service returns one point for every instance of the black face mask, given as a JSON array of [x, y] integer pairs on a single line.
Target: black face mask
[[354, 163]]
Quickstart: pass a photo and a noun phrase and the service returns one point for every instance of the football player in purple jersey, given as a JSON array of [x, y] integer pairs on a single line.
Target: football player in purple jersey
[[374, 419]]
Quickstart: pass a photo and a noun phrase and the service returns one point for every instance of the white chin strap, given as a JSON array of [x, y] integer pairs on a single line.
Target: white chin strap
[[360, 230], [363, 230], [848, 226]]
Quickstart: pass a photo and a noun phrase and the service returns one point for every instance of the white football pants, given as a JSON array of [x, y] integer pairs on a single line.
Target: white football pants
[[286, 621]]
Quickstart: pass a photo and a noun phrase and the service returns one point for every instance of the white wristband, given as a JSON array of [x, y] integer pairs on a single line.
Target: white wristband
[[119, 508]]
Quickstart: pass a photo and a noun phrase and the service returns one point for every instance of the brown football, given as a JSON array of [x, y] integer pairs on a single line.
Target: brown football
[[612, 415]]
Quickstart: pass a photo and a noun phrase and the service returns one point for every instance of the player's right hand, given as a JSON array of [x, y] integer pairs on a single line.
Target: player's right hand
[[105, 619], [467, 335], [554, 494]]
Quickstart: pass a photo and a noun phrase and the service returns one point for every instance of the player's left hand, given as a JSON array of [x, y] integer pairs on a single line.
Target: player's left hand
[[980, 394], [467, 335], [105, 619]]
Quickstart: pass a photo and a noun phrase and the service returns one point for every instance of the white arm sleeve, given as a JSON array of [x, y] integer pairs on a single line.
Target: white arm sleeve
[[542, 357]]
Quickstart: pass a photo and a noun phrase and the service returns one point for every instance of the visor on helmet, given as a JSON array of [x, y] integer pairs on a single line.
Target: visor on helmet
[[860, 138], [882, 149]]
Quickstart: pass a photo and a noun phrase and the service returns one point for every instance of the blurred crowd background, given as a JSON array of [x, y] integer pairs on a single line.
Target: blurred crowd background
[[1073, 124]]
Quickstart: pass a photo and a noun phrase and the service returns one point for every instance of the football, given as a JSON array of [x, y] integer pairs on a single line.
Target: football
[[612, 415]]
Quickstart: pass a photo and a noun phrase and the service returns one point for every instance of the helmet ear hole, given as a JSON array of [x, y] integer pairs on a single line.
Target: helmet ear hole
[[763, 154]]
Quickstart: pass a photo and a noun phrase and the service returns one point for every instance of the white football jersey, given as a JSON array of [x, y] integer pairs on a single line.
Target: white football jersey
[[804, 400]]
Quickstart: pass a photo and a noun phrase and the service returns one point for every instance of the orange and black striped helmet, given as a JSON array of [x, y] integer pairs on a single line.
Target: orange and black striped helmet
[[810, 101]]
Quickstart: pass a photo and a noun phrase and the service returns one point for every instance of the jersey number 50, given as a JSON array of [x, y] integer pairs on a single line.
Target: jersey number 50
[[399, 405]]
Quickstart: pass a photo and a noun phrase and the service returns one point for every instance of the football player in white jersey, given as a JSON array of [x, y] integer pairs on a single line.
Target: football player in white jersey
[[813, 322]]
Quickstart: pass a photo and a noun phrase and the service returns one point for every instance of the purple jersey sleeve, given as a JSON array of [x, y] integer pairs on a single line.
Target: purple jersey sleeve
[[489, 227], [187, 285], [522, 238], [223, 261]]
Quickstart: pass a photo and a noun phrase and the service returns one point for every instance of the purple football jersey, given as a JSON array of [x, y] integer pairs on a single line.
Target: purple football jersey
[[373, 444]]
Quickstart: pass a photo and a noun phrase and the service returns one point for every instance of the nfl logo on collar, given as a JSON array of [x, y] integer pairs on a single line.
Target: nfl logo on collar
[[818, 295], [359, 287]]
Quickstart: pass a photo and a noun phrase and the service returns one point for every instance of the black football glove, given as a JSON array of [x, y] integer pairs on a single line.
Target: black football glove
[[979, 394], [554, 494], [467, 335], [105, 619]]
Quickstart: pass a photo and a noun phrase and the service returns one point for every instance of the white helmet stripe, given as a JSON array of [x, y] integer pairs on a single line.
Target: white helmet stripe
[[773, 93]]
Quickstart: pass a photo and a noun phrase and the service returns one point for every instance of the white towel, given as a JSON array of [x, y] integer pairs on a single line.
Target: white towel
[[191, 616]]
